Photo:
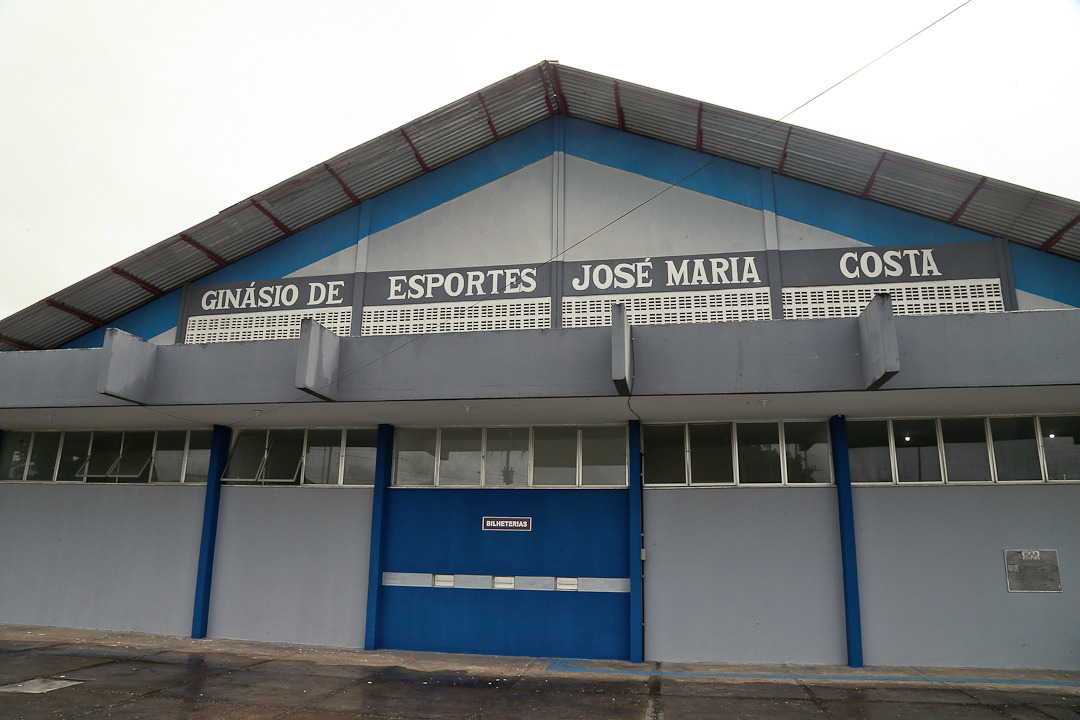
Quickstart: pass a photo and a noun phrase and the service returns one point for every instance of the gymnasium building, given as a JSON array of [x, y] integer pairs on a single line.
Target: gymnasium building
[[569, 368]]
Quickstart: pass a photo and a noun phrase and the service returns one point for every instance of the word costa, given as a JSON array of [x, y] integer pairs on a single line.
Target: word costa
[[272, 296], [469, 282], [689, 271], [891, 263]]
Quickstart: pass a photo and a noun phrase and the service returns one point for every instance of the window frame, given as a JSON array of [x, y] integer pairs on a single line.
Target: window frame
[[688, 480], [109, 477], [485, 484]]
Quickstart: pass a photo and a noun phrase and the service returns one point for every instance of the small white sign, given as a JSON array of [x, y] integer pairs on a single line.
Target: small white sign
[[520, 524]]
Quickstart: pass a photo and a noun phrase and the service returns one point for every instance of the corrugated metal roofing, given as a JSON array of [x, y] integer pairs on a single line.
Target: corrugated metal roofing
[[997, 208]]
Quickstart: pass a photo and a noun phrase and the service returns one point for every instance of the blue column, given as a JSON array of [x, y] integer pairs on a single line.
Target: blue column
[[637, 640], [848, 561], [384, 464], [219, 456]]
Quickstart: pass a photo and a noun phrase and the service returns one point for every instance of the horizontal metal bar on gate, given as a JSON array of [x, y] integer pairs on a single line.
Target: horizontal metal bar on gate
[[503, 582]]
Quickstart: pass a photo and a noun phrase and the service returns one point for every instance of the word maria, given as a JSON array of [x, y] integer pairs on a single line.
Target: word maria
[[891, 263], [469, 283], [689, 271], [272, 296]]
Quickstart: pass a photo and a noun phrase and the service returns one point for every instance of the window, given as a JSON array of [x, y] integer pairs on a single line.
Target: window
[[807, 452], [415, 461], [759, 453], [246, 457], [106, 456], [603, 455], [967, 458], [1016, 450], [136, 454], [284, 456], [16, 451], [737, 454], [169, 456], [1061, 445], [322, 458], [358, 467], [197, 462], [966, 450], [104, 452], [43, 456], [303, 457], [555, 456], [917, 458], [664, 457], [552, 457], [712, 459], [506, 457], [869, 455], [460, 457]]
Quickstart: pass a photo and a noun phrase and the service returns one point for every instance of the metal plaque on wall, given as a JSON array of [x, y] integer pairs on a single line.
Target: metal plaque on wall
[[1032, 571]]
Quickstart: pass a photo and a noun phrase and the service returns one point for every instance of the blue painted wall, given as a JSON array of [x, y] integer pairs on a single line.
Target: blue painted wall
[[706, 174], [1048, 275], [576, 533], [862, 220]]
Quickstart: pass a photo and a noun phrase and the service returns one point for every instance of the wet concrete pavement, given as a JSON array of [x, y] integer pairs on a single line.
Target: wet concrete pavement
[[124, 676]]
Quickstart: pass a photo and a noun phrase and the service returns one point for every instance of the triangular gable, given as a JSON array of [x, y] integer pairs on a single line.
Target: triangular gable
[[570, 191]]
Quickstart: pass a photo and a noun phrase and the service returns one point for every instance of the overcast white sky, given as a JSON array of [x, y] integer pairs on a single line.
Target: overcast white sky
[[124, 122]]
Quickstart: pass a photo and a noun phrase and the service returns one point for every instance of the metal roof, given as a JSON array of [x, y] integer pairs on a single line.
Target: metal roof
[[1000, 209]]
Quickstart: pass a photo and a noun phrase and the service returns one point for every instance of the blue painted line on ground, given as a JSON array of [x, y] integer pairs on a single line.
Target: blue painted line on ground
[[581, 667]]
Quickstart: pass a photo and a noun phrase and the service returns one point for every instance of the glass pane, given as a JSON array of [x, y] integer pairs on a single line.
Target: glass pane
[[710, 454], [506, 458], [603, 455], [43, 456], [73, 454], [1016, 450], [360, 456], [104, 452], [169, 456], [759, 452], [134, 465], [917, 457], [283, 455], [15, 453], [247, 455], [1060, 438], [415, 462], [459, 461], [555, 456], [808, 459], [198, 456], [664, 454], [868, 451], [323, 457], [967, 458]]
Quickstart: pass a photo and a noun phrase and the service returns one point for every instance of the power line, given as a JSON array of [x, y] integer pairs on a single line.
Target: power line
[[648, 200]]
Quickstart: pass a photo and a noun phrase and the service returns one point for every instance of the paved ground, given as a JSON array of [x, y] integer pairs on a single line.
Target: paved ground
[[125, 676]]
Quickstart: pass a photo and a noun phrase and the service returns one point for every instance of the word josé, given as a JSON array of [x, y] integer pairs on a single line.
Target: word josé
[[689, 271]]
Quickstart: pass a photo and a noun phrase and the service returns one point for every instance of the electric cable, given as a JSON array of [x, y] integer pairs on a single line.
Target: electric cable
[[635, 208]]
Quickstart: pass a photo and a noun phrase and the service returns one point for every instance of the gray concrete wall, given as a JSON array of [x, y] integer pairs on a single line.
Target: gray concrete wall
[[111, 557], [932, 575], [941, 351], [743, 575], [507, 221], [292, 565], [676, 222]]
